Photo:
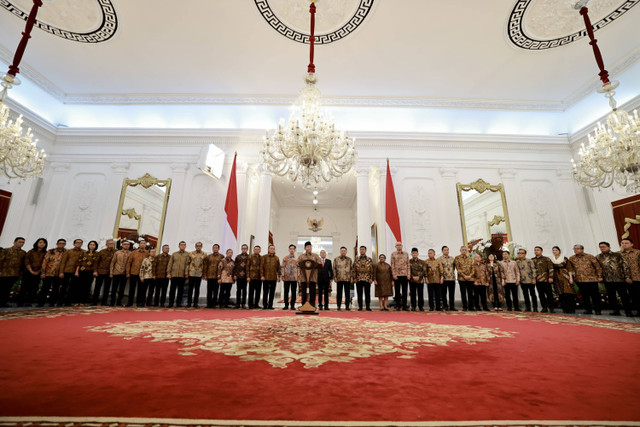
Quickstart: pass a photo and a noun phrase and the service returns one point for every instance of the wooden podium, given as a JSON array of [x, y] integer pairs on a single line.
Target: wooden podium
[[306, 266]]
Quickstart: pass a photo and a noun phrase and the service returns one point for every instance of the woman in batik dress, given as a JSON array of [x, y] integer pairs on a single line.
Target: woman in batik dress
[[383, 280], [561, 285]]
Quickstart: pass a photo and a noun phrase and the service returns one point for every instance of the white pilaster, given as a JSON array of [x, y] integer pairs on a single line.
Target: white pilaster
[[112, 198], [173, 228], [452, 227], [514, 205], [363, 226], [263, 212]]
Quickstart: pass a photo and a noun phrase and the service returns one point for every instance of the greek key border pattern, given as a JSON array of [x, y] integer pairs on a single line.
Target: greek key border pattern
[[358, 18], [104, 32], [519, 38]]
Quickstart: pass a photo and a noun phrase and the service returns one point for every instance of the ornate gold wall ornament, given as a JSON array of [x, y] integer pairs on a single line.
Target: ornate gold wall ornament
[[481, 186], [627, 225], [146, 181]]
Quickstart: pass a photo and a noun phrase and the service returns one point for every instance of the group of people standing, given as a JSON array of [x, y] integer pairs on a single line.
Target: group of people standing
[[67, 276]]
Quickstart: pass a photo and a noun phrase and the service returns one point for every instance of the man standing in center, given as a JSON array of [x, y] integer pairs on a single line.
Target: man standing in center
[[342, 267], [325, 276], [270, 276], [308, 265], [527, 280], [449, 280], [253, 275], [134, 262], [101, 273], [587, 273], [118, 273], [464, 266], [363, 276], [544, 279], [68, 263], [178, 273], [211, 276], [160, 276], [226, 277], [512, 279], [416, 280], [195, 269], [400, 271], [435, 278]]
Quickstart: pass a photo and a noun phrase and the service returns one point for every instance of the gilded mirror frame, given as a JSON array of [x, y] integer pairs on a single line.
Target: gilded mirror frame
[[146, 181], [481, 186]]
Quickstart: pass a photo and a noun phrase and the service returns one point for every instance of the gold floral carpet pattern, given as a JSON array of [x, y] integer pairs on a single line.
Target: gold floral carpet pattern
[[312, 341]]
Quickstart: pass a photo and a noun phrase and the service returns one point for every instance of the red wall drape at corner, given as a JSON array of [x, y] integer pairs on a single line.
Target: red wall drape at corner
[[624, 210], [5, 201]]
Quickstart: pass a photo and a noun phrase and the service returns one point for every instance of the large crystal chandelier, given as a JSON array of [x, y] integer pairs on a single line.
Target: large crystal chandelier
[[19, 155], [309, 149], [613, 151]]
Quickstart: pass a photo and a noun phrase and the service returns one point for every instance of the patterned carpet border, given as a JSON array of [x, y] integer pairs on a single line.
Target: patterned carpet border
[[553, 319], [170, 422]]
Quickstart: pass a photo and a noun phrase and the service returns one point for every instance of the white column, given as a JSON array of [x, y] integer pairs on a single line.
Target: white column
[[112, 199], [263, 212], [173, 221], [363, 226], [48, 217], [451, 213]]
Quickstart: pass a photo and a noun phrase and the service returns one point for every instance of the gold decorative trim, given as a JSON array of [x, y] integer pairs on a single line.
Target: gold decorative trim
[[627, 225], [481, 186], [146, 181]]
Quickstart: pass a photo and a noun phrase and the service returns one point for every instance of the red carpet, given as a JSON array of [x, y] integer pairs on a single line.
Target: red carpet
[[255, 365]]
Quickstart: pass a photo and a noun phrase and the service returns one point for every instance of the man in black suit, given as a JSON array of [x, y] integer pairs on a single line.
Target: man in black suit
[[325, 276]]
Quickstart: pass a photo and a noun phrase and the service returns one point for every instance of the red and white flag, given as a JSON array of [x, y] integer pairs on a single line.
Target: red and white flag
[[392, 223], [230, 224]]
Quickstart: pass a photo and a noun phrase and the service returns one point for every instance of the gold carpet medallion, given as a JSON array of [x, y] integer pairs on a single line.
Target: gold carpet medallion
[[281, 341]]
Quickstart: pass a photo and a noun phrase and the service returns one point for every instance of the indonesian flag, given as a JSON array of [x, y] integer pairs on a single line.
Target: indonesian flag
[[392, 229], [230, 224]]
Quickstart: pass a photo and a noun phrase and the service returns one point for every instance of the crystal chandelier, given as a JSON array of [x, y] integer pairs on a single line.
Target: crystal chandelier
[[19, 156], [613, 151], [309, 149]]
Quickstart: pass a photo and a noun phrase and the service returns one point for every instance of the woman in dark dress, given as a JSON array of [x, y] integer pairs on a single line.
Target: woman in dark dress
[[383, 280]]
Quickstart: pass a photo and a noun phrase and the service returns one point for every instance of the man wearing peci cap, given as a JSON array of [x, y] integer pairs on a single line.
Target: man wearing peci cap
[[308, 265]]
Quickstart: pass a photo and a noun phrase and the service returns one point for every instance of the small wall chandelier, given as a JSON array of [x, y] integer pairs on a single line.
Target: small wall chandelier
[[309, 149], [613, 151], [19, 155]]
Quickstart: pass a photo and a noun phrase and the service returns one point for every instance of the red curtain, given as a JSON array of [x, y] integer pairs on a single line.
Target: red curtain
[[5, 201], [626, 213]]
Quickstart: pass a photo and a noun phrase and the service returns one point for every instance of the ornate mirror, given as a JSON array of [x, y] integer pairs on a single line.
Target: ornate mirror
[[483, 212], [142, 209]]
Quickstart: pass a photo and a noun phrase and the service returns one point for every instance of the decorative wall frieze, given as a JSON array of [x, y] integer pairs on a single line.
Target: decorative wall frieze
[[179, 167], [121, 168], [449, 173], [60, 167], [507, 173]]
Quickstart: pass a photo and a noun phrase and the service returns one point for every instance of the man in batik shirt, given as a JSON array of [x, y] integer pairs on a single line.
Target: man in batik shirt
[[134, 262], [544, 280], [511, 278], [178, 274], [118, 273], [342, 267], [241, 276], [195, 268], [449, 280], [101, 273], [160, 275], [49, 274], [416, 280], [211, 276], [616, 274], [289, 273], [270, 276], [253, 275], [434, 277], [11, 266], [633, 259], [226, 277], [527, 282], [147, 283], [362, 276], [464, 267], [68, 280], [308, 265], [586, 273], [400, 271]]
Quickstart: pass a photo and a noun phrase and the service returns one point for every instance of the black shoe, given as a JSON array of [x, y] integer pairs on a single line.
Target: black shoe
[[368, 309], [598, 313], [413, 309], [430, 309], [517, 309], [628, 314], [293, 308], [615, 313], [284, 308], [421, 309], [453, 309], [359, 309], [348, 309], [551, 310], [535, 310], [544, 310], [338, 309], [588, 312], [178, 305]]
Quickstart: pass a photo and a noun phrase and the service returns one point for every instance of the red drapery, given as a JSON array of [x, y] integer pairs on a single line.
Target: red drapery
[[5, 201]]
